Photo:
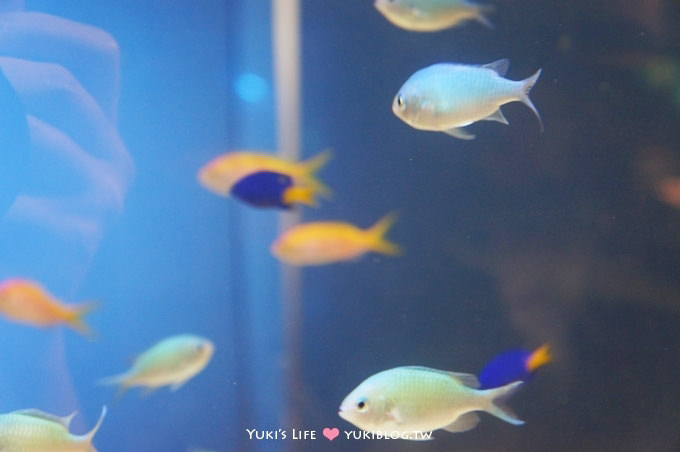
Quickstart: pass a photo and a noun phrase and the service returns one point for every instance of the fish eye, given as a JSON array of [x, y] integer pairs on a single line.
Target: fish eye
[[361, 404], [400, 101]]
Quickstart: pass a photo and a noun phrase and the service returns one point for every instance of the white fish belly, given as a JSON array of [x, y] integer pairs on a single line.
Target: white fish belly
[[457, 96]]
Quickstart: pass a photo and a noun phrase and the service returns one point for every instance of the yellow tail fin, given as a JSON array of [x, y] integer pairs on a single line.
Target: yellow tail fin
[[75, 319], [309, 169], [540, 357], [376, 235], [300, 195]]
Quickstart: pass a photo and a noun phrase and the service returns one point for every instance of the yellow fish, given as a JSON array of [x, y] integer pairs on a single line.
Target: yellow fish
[[26, 302], [220, 174], [172, 361], [37, 431], [328, 242]]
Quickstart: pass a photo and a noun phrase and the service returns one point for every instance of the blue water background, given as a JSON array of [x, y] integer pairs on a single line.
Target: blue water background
[[512, 240]]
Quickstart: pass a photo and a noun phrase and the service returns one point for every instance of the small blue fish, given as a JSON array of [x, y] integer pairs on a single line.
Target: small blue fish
[[513, 365], [271, 189], [446, 97]]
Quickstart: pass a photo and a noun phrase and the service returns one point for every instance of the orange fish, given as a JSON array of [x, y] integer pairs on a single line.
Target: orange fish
[[28, 303], [328, 242], [220, 174]]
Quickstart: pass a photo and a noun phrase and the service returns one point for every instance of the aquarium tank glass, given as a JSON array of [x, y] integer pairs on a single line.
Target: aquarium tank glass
[[327, 225]]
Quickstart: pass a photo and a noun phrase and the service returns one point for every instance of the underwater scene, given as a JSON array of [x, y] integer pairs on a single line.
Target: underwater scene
[[327, 225]]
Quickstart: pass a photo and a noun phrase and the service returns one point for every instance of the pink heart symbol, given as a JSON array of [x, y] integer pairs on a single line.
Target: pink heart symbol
[[331, 433]]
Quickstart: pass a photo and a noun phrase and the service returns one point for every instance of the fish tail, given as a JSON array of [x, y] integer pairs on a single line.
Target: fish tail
[[538, 358], [497, 406], [89, 435], [482, 11], [300, 195], [121, 380], [526, 86], [75, 319], [312, 166], [376, 234]]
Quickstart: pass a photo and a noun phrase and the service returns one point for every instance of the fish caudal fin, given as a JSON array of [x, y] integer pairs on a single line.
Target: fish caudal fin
[[311, 167], [538, 358], [480, 17], [300, 195], [75, 319], [497, 406], [527, 84], [376, 236], [120, 380]]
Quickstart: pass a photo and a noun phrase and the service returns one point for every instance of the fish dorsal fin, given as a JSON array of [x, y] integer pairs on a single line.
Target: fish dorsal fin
[[64, 421], [468, 380], [500, 66]]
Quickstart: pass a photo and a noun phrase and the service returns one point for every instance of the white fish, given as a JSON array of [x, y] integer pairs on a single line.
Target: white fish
[[416, 400], [172, 361], [445, 97], [37, 431], [431, 15]]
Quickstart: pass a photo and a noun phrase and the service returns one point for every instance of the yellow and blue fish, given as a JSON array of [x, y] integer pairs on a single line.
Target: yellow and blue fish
[[513, 365], [272, 189], [221, 173]]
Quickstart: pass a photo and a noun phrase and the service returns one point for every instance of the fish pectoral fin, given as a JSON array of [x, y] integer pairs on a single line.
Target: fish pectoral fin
[[497, 116], [395, 416], [463, 423], [459, 133]]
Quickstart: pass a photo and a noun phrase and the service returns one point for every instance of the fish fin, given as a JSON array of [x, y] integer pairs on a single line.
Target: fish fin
[[300, 195], [538, 358], [64, 421], [89, 435], [175, 386], [311, 167], [120, 380], [468, 380], [463, 423], [481, 18], [527, 84], [497, 406], [75, 319], [500, 67], [496, 116], [459, 133], [376, 236]]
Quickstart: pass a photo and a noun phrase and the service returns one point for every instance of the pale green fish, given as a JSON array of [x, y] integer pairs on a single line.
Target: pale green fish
[[445, 97], [411, 401], [431, 15], [172, 361], [37, 431]]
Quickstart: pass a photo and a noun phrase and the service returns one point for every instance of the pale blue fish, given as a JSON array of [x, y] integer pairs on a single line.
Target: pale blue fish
[[432, 15], [172, 361], [445, 97], [36, 431], [414, 400]]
